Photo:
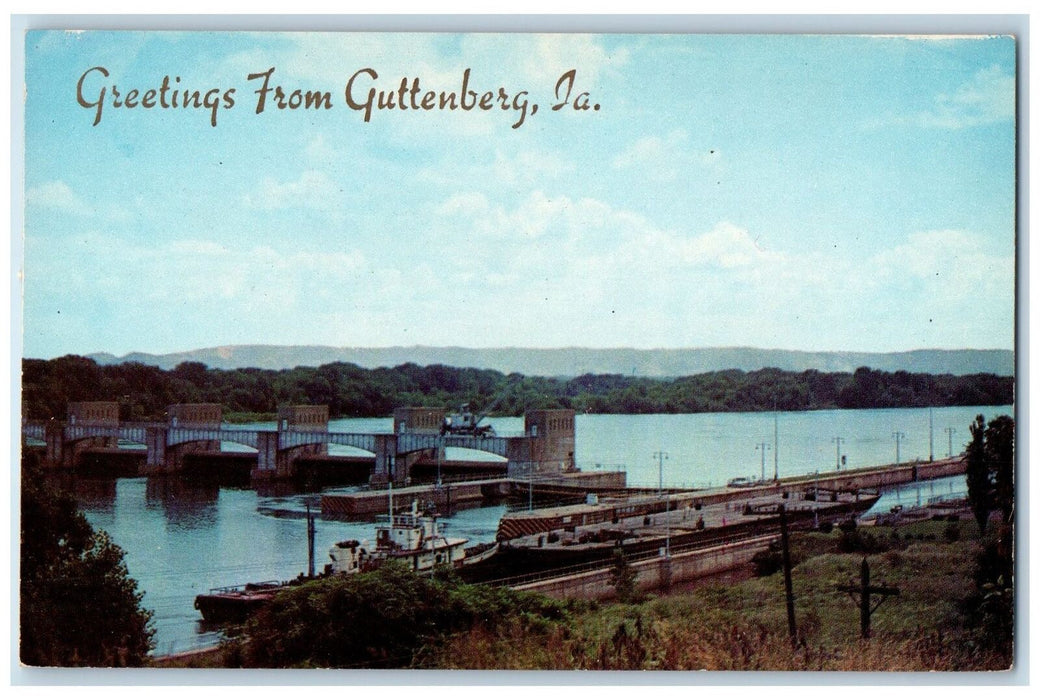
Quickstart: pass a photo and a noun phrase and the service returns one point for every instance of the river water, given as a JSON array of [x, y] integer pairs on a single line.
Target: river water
[[182, 539]]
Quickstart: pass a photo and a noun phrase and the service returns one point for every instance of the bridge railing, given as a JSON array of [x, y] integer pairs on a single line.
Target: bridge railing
[[362, 441], [34, 429]]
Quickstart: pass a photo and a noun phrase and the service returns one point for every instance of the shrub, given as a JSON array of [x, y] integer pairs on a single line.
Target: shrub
[[768, 561], [79, 606], [380, 619], [623, 578], [856, 541]]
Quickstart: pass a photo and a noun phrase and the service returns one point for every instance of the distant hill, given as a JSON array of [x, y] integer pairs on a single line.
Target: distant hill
[[570, 362]]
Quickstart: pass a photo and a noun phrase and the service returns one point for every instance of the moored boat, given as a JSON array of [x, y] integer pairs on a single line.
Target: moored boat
[[414, 538], [233, 604]]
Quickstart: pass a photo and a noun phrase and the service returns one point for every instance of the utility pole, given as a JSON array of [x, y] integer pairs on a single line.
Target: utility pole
[[931, 428], [897, 435], [949, 437], [440, 452], [792, 629], [661, 457], [763, 446], [667, 526], [864, 590], [310, 542], [837, 456], [776, 444]]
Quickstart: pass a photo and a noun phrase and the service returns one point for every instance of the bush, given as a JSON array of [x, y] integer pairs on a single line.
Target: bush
[[855, 541], [768, 561], [623, 578], [848, 525], [79, 606], [381, 619]]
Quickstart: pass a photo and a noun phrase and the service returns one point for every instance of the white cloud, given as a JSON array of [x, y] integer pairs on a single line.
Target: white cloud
[[55, 194], [580, 271], [953, 265], [529, 167], [667, 158], [554, 54], [312, 190], [988, 97]]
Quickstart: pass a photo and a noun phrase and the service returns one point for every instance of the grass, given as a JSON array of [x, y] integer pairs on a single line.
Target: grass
[[744, 626]]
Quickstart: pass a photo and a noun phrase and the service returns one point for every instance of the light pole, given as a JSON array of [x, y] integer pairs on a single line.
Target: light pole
[[661, 457], [440, 452], [898, 435], [837, 455], [667, 526], [776, 444], [931, 430], [763, 446], [949, 438]]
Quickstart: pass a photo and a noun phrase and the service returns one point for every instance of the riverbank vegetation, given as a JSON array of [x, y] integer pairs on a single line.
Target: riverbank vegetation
[[144, 391], [395, 619], [78, 605]]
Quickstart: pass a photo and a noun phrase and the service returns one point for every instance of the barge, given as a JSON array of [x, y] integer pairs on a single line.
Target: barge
[[551, 538], [235, 604]]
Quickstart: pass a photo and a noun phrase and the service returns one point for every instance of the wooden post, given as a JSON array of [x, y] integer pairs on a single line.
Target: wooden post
[[792, 629], [864, 590], [310, 542], [864, 599]]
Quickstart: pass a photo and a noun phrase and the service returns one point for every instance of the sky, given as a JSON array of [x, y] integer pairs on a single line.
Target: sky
[[814, 193]]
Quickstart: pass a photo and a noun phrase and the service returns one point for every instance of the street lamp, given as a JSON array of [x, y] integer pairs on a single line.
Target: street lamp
[[440, 453], [661, 457], [762, 447], [837, 455], [897, 435], [949, 437]]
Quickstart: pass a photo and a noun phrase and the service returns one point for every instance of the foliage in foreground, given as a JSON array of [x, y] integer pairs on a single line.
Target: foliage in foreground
[[743, 626], [79, 607], [991, 468], [387, 618]]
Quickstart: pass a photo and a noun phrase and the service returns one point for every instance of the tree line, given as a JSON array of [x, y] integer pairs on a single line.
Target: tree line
[[144, 391]]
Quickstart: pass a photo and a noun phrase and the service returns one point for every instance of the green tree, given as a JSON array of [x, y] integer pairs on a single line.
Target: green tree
[[990, 469], [79, 607], [991, 485], [623, 578], [980, 486], [1000, 458]]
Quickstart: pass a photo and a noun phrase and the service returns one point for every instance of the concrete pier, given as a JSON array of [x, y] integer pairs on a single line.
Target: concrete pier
[[363, 505]]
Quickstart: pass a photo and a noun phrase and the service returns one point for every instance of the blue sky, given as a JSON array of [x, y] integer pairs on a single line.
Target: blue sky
[[782, 191]]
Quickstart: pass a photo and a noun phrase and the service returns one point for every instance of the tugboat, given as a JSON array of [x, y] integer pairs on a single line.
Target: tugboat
[[413, 538]]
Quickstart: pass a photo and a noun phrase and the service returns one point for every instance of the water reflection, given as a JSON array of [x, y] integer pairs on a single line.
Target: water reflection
[[185, 503], [97, 494]]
